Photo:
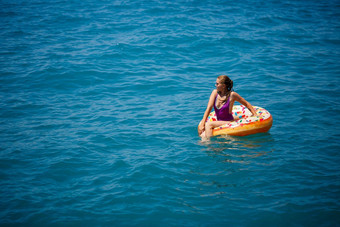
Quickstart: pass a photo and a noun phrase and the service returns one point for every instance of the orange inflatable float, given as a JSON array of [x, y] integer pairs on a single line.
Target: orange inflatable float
[[244, 123]]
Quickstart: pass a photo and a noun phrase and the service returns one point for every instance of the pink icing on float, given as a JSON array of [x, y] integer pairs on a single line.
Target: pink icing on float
[[244, 123]]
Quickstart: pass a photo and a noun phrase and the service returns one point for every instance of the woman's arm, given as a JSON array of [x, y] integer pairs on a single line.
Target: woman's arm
[[210, 105], [240, 99]]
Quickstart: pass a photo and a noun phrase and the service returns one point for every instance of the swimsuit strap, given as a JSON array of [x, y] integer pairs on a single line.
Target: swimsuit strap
[[223, 103]]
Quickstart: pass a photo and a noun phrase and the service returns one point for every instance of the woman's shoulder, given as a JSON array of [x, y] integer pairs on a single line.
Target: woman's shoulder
[[234, 95], [214, 92]]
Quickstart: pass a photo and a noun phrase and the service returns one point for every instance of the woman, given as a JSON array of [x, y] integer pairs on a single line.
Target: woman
[[222, 99]]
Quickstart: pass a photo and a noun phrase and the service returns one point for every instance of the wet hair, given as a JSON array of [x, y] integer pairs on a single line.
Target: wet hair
[[227, 81]]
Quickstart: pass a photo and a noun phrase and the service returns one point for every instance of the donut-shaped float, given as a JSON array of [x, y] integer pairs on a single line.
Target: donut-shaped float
[[244, 123]]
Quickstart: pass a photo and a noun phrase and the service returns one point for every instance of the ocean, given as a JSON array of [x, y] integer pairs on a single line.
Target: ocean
[[100, 102]]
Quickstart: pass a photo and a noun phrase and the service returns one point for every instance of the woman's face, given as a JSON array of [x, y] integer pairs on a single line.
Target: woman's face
[[219, 86]]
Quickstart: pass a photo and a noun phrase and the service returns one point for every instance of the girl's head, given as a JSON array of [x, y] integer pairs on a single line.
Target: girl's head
[[225, 82]]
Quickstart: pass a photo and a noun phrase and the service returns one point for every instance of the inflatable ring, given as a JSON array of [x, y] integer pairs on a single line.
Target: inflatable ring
[[244, 123]]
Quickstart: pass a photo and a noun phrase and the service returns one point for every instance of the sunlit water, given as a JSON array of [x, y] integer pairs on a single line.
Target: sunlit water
[[100, 101]]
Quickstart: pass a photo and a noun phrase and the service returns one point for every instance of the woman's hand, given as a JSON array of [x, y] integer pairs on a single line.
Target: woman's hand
[[201, 128]]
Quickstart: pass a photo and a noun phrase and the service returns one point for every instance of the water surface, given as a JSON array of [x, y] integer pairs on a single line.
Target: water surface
[[100, 103]]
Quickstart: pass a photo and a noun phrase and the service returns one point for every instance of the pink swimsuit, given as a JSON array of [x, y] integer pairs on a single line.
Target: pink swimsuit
[[222, 113]]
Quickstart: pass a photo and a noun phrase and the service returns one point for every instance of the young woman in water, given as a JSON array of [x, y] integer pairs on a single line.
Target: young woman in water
[[222, 99]]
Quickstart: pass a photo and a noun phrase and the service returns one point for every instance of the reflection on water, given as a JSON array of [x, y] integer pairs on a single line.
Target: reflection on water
[[236, 149], [237, 159]]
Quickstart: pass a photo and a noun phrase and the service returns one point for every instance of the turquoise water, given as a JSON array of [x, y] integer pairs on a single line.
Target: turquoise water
[[100, 101]]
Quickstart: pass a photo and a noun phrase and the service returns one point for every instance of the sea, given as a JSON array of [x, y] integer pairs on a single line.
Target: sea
[[100, 102]]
